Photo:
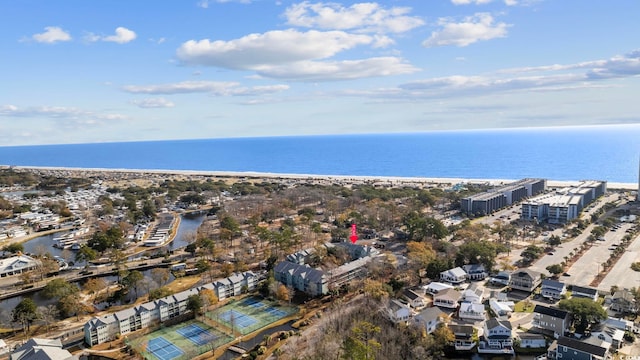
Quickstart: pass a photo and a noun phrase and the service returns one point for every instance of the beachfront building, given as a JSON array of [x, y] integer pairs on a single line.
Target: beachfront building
[[102, 329], [463, 337], [16, 265], [564, 204], [495, 199]]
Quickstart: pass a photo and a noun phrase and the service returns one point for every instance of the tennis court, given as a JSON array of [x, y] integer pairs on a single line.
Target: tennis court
[[179, 342], [275, 312], [237, 318], [196, 334], [162, 349], [250, 314]]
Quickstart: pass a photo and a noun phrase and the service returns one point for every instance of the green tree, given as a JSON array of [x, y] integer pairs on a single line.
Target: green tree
[[531, 253], [14, 248], [585, 312], [25, 313], [195, 304], [86, 254], [361, 343], [477, 252], [421, 254], [132, 280], [555, 269], [58, 288]]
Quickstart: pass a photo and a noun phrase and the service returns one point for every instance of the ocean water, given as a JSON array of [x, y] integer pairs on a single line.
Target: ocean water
[[572, 153]]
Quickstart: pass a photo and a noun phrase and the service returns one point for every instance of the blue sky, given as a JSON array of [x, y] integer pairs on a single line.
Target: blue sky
[[80, 71]]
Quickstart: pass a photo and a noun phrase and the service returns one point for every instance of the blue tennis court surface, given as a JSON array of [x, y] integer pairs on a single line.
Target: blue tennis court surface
[[254, 303], [275, 312], [196, 334], [239, 319], [162, 349]]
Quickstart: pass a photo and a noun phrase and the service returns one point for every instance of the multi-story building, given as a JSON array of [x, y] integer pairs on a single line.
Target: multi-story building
[[585, 292], [551, 321], [105, 328], [525, 280], [564, 204], [463, 337], [455, 276], [552, 289], [495, 199], [302, 277], [570, 348]]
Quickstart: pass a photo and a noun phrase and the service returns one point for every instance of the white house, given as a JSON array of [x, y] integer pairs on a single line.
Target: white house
[[501, 308], [17, 265], [435, 287], [585, 292], [447, 298], [474, 294], [398, 312], [416, 300], [501, 278], [531, 341], [472, 311], [463, 337], [475, 271], [42, 349], [455, 276], [553, 290], [497, 337], [430, 318]]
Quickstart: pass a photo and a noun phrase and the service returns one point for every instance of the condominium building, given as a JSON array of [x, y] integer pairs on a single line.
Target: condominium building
[[564, 204], [105, 328], [495, 199]]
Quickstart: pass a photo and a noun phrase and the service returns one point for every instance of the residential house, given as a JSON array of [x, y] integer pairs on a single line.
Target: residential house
[[397, 311], [447, 298], [552, 289], [474, 294], [472, 311], [435, 287], [585, 292], [501, 278], [609, 334], [569, 348], [455, 276], [475, 271], [430, 319], [464, 337], [551, 321], [531, 341], [501, 308], [416, 300], [42, 349], [497, 337], [623, 301], [525, 280]]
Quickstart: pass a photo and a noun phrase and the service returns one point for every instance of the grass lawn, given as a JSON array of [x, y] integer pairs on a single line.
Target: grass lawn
[[524, 306]]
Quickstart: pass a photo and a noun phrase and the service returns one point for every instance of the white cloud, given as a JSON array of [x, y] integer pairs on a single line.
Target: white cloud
[[205, 3], [339, 70], [216, 88], [479, 27], [255, 51], [364, 17], [65, 114], [482, 2], [52, 34], [153, 103], [122, 36]]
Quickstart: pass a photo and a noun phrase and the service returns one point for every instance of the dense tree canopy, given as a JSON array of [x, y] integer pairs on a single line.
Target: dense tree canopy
[[585, 312]]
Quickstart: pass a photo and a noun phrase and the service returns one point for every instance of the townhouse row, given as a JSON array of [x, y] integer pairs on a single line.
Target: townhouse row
[[106, 328]]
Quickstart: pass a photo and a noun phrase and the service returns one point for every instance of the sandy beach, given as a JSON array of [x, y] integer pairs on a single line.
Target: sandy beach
[[322, 178]]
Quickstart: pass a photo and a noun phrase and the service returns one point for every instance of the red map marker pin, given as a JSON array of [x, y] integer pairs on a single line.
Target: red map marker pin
[[354, 235]]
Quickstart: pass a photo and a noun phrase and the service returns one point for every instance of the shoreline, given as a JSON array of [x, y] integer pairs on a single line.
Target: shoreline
[[350, 178]]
